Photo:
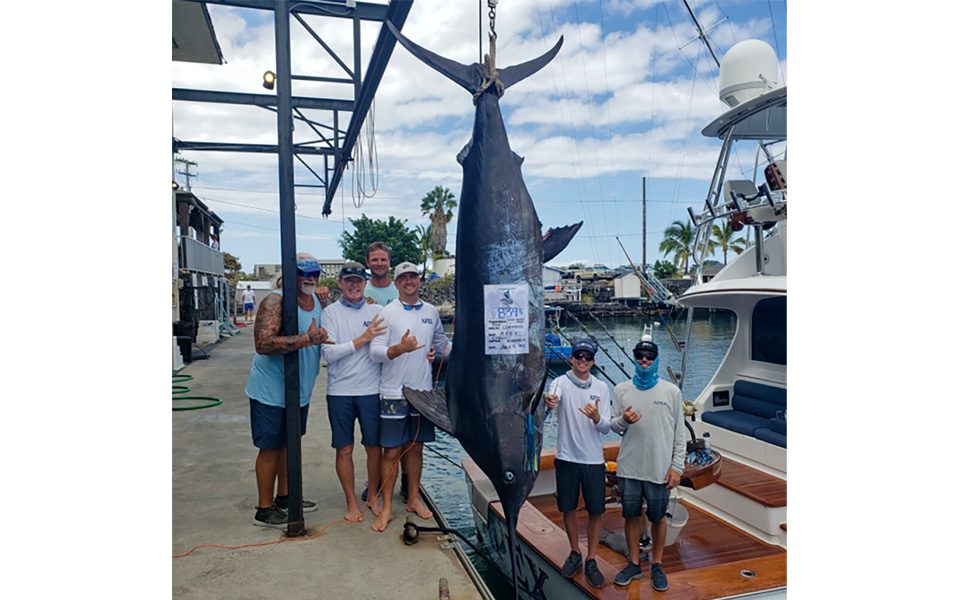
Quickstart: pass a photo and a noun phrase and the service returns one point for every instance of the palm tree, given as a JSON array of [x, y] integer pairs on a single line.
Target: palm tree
[[438, 204], [678, 240], [723, 239], [423, 245]]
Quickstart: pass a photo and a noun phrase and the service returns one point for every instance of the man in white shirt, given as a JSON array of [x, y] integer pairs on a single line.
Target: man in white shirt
[[249, 298], [353, 384], [406, 362], [583, 417]]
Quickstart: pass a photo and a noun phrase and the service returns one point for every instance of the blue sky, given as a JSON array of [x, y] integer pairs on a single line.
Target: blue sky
[[626, 98]]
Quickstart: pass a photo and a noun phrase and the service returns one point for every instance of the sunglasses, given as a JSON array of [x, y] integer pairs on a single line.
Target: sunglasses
[[651, 356], [583, 356], [314, 274], [416, 306]]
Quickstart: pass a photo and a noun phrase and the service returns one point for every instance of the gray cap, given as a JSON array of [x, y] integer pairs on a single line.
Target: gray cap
[[405, 267], [353, 269]]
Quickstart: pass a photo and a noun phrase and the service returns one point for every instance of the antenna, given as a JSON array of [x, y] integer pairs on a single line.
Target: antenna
[[702, 34]]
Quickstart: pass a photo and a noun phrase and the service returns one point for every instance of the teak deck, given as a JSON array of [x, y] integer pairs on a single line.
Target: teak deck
[[706, 562], [756, 485]]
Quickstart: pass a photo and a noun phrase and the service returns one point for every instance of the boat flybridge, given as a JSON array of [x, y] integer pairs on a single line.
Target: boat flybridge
[[743, 408], [727, 525]]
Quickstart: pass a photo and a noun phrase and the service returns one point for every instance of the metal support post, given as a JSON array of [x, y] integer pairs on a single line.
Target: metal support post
[[288, 252]]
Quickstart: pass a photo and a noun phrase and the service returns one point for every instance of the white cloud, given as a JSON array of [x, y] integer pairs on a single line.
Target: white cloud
[[618, 101]]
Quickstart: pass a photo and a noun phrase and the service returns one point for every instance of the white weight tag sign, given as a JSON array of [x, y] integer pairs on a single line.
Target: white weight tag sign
[[506, 318]]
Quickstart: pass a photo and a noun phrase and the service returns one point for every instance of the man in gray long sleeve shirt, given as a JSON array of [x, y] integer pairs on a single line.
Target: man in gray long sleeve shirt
[[651, 456]]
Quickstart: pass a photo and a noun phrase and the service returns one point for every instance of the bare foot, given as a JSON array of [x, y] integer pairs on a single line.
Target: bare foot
[[420, 509], [375, 507], [380, 525], [353, 514]]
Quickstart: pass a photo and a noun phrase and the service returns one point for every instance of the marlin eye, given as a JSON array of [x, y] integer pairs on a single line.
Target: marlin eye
[[508, 476]]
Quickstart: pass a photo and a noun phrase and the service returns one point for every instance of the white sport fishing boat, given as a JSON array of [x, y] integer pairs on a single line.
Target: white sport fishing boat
[[727, 533]]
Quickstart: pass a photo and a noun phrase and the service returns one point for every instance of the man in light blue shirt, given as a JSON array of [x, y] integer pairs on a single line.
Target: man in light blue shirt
[[380, 289]]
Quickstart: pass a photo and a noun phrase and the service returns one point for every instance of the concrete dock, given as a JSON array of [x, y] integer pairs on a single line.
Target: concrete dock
[[214, 499]]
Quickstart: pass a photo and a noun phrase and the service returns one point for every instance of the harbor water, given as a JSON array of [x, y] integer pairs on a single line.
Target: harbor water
[[711, 334]]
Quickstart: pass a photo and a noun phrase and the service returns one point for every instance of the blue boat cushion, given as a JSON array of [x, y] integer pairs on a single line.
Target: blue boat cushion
[[779, 425], [770, 436], [756, 410], [758, 399], [735, 420]]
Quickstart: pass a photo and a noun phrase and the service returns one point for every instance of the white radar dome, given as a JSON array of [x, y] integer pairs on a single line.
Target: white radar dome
[[746, 71]]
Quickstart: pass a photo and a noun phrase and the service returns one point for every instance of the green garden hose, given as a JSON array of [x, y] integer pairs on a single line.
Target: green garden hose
[[182, 389]]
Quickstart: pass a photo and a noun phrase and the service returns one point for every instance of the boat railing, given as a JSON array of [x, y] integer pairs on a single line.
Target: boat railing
[[199, 257]]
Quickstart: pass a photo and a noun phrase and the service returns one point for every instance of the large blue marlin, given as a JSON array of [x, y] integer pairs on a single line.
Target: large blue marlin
[[496, 374]]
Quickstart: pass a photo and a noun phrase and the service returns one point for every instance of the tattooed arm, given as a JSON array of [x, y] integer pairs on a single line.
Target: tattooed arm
[[266, 332]]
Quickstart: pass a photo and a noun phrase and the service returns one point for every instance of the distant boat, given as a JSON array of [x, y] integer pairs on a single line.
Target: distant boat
[[557, 351]]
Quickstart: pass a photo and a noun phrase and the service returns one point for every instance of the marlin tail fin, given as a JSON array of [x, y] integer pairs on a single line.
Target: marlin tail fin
[[516, 73], [467, 76]]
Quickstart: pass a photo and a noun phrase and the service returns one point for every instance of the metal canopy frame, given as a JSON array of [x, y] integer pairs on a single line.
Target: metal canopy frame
[[337, 144], [331, 141]]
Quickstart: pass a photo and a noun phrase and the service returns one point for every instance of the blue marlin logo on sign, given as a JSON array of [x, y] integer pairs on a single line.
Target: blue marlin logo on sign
[[506, 300]]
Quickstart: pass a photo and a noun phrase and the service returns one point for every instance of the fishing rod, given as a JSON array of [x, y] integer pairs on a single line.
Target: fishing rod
[[676, 342], [594, 340], [599, 368], [610, 335]]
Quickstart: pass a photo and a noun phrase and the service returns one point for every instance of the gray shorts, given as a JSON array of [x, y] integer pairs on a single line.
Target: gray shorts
[[634, 491]]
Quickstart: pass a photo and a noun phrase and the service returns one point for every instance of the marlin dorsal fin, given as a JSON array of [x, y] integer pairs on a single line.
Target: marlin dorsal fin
[[556, 239], [467, 76]]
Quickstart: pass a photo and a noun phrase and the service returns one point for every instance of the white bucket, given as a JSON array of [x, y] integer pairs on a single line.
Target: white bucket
[[676, 521]]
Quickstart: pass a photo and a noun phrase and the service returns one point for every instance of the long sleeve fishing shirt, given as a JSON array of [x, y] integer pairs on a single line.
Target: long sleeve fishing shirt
[[578, 438], [411, 369], [655, 443], [350, 370]]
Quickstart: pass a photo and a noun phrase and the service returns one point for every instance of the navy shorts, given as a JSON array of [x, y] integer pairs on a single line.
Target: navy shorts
[[342, 410], [399, 424], [634, 491], [573, 477], [247, 306], [269, 427]]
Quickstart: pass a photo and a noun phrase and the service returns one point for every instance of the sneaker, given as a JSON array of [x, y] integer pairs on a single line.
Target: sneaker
[[628, 574], [646, 544], [308, 505], [657, 578], [594, 576], [571, 565], [272, 516]]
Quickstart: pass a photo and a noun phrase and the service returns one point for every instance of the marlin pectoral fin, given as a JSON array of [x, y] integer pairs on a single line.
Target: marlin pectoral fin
[[467, 76], [432, 405], [512, 75], [556, 239], [538, 396]]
